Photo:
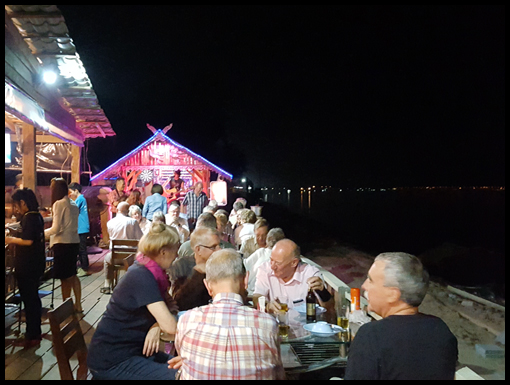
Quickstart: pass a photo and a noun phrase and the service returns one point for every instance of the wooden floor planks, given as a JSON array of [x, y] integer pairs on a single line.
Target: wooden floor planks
[[39, 363]]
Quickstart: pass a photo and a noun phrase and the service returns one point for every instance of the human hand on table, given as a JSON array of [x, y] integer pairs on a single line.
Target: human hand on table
[[315, 283], [151, 343]]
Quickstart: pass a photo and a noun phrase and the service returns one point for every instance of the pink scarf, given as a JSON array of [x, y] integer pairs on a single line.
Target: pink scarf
[[158, 273]]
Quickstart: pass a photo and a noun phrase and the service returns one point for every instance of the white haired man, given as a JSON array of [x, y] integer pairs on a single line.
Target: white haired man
[[226, 340], [174, 220], [405, 344]]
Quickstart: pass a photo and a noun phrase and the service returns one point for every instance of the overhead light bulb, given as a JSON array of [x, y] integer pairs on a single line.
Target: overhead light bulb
[[49, 77]]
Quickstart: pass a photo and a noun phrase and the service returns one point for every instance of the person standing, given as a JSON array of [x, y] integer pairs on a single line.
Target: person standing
[[154, 202], [64, 240], [195, 201], [116, 195], [83, 227], [177, 183], [29, 262]]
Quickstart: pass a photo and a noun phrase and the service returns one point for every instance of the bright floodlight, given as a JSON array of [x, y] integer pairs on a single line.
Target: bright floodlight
[[243, 180], [49, 77]]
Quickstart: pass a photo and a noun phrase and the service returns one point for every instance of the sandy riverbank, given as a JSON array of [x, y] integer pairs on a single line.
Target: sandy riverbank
[[471, 322]]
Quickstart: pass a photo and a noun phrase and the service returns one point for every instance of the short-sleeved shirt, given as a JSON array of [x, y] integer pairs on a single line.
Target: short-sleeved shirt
[[403, 347], [83, 217], [121, 332], [195, 204], [272, 287], [114, 196], [176, 183], [30, 260]]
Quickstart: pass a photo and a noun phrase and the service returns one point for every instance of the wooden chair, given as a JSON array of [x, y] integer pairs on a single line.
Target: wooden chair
[[68, 339], [123, 256]]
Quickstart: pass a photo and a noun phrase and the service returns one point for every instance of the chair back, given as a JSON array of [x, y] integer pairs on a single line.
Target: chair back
[[123, 256], [68, 339], [122, 249]]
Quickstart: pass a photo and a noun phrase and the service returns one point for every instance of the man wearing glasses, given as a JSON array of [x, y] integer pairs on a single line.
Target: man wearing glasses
[[204, 241], [286, 276]]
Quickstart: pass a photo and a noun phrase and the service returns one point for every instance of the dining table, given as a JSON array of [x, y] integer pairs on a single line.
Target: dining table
[[304, 352]]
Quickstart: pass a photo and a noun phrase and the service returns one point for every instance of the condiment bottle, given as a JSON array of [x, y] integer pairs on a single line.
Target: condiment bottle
[[355, 299], [311, 302]]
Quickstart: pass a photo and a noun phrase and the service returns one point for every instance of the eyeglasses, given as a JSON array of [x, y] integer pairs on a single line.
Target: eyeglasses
[[213, 247]]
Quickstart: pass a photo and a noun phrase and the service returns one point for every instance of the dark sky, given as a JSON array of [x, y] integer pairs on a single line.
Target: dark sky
[[297, 95]]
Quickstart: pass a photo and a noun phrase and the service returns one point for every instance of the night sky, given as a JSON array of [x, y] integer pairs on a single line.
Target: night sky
[[346, 96]]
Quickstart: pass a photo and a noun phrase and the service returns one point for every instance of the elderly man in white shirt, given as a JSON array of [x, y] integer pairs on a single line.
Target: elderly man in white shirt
[[120, 227], [286, 278], [173, 219]]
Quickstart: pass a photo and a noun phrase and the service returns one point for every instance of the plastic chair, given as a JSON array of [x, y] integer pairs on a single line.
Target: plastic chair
[[68, 339]]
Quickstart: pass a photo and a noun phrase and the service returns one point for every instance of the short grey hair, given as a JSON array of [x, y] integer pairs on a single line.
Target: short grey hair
[[273, 236], [405, 272], [224, 264], [207, 220], [134, 209], [158, 216], [237, 206]]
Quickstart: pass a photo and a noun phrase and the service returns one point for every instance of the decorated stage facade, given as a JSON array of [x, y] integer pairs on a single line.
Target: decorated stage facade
[[155, 161]]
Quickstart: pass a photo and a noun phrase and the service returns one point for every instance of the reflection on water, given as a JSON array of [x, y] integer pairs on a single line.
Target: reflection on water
[[410, 219]]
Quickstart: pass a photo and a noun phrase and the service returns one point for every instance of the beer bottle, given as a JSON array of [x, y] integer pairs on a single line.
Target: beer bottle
[[311, 302]]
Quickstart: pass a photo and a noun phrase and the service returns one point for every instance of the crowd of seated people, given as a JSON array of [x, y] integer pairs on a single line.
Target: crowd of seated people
[[216, 286]]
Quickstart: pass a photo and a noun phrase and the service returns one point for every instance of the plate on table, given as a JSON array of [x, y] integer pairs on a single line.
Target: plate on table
[[302, 309], [335, 329]]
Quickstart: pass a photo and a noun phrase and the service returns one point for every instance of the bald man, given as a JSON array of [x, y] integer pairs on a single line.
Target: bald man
[[120, 227], [286, 277]]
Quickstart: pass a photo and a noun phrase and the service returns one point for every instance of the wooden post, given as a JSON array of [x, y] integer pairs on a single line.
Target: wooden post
[[75, 163], [29, 161], [207, 183]]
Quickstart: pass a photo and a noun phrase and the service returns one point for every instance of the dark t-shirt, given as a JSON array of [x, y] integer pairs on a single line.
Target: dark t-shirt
[[192, 293], [176, 183], [30, 260], [121, 332], [403, 347]]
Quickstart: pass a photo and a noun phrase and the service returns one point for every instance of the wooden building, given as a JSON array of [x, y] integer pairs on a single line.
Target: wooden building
[[38, 114], [155, 161]]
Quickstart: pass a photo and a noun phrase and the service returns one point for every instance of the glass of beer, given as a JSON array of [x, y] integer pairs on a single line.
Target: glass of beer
[[283, 323]]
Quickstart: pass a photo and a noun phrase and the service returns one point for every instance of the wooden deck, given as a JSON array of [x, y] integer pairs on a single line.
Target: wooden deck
[[40, 363]]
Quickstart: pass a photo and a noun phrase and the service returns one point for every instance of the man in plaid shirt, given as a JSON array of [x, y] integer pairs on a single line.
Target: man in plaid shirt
[[226, 340], [196, 200]]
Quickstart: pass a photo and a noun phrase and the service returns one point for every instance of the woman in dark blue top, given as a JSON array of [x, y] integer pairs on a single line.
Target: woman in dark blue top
[[124, 345]]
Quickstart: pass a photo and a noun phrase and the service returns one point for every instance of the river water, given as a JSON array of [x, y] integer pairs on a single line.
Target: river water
[[411, 220]]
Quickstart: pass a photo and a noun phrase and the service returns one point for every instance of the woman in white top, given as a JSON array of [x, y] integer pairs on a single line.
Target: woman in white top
[[64, 240], [135, 212]]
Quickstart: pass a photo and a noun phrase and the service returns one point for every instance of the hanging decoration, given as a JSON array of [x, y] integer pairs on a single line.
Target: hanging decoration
[[146, 176]]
